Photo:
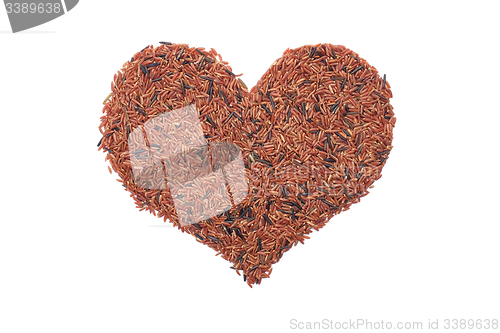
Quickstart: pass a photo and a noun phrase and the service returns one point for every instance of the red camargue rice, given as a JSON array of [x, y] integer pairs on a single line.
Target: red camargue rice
[[315, 133]]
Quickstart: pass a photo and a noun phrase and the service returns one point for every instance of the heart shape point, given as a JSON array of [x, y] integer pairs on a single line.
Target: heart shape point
[[310, 139]]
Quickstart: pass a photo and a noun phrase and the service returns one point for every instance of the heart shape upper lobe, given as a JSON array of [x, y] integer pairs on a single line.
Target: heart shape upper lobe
[[313, 134]]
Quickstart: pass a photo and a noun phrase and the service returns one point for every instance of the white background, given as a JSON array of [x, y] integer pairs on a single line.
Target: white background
[[77, 256]]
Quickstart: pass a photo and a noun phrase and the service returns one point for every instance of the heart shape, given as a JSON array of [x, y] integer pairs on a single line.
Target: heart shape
[[313, 136]]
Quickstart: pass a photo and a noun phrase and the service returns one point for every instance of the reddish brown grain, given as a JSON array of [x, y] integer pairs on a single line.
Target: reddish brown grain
[[316, 131]]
